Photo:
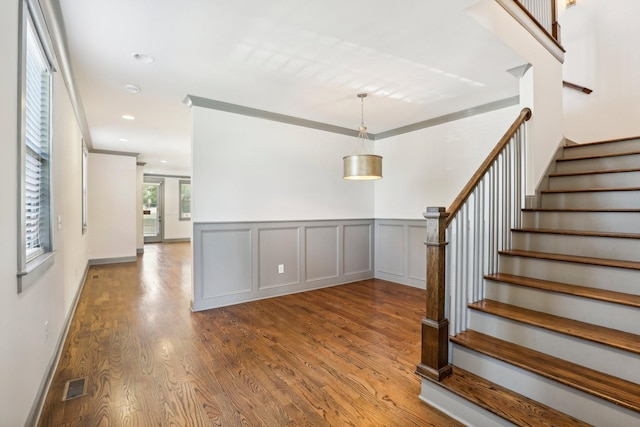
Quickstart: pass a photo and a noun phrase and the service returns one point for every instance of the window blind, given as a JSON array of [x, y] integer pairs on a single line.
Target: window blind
[[37, 117]]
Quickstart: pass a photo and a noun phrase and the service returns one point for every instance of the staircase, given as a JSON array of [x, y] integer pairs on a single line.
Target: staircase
[[556, 340]]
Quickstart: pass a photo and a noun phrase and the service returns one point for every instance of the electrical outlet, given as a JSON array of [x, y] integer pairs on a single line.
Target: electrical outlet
[[280, 268]]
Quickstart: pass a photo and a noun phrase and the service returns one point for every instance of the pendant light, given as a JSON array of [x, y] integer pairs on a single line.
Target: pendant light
[[362, 166]]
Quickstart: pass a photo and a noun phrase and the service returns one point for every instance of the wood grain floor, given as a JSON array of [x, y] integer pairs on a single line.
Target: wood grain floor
[[338, 356]]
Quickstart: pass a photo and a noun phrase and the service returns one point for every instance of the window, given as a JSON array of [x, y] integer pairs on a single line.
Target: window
[[34, 228], [185, 200], [85, 159]]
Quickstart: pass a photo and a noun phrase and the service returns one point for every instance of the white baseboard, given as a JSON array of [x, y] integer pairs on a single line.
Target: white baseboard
[[38, 404], [117, 260]]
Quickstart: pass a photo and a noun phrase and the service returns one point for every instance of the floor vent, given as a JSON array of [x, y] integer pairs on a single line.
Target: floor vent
[[95, 276], [75, 388]]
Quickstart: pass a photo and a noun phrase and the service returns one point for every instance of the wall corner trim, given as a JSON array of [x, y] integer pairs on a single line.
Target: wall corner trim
[[52, 13], [457, 115], [212, 104], [196, 101]]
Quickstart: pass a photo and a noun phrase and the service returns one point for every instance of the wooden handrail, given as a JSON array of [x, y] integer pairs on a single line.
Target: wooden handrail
[[576, 87], [554, 35], [525, 115], [434, 359]]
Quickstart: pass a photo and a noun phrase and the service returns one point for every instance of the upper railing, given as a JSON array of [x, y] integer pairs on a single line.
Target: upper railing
[[579, 88], [463, 244], [544, 12]]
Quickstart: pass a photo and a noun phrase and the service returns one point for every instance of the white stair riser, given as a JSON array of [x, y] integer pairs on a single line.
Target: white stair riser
[[598, 180], [609, 315], [566, 399], [598, 149], [595, 276], [587, 246], [458, 407], [599, 163], [592, 200], [614, 222], [611, 361]]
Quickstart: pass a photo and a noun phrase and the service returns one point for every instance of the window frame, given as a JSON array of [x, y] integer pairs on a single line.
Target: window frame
[[30, 268], [181, 214], [85, 185]]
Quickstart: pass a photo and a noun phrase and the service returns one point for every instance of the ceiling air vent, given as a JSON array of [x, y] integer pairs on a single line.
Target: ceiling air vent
[[75, 388]]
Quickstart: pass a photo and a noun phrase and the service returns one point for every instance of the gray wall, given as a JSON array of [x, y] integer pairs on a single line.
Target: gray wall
[[400, 253], [238, 262]]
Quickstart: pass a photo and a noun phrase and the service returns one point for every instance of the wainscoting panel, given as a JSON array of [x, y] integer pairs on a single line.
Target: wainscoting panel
[[239, 262], [417, 253], [322, 250], [400, 251], [279, 247], [226, 262], [358, 248], [391, 255]]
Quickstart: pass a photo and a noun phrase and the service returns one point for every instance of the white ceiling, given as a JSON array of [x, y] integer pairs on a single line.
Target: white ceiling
[[417, 59]]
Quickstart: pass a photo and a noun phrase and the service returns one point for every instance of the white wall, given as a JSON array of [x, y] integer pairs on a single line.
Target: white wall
[[71, 244], [112, 206], [429, 167], [247, 169], [173, 227], [601, 39], [27, 351], [541, 90]]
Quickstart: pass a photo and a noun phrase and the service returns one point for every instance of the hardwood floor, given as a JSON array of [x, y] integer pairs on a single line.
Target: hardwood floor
[[343, 355]]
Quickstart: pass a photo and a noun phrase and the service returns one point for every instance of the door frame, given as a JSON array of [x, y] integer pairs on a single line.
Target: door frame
[[160, 202]]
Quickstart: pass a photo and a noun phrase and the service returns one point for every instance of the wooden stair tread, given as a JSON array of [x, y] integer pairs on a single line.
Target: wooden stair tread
[[511, 406], [599, 156], [616, 390], [606, 141], [566, 288], [577, 233], [589, 190], [632, 265], [593, 172], [598, 334]]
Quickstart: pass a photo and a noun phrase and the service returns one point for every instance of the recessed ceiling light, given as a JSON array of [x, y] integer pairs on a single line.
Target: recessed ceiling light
[[124, 140], [128, 117], [145, 59], [132, 88], [163, 161]]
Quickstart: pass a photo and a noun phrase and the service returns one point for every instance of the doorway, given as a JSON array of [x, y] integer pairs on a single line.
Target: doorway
[[152, 209]]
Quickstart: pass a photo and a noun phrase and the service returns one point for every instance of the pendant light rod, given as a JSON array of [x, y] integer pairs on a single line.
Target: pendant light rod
[[362, 166], [362, 96]]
